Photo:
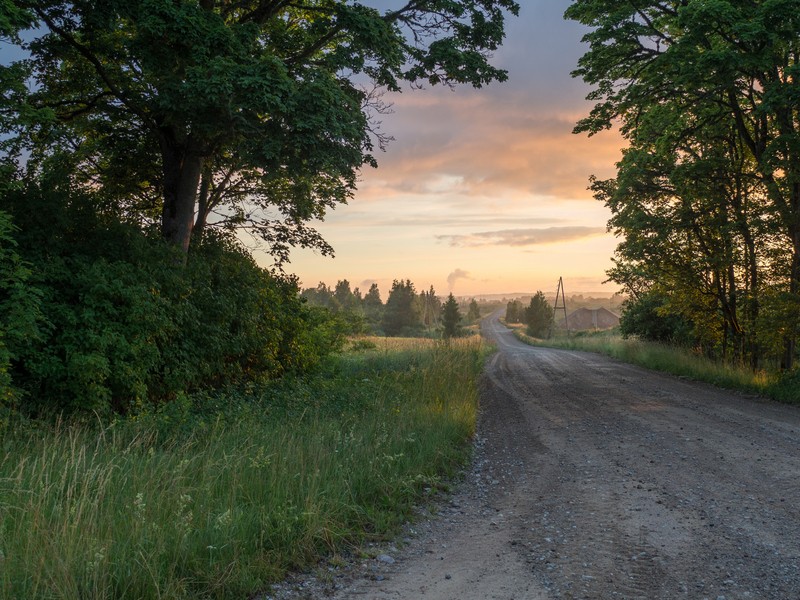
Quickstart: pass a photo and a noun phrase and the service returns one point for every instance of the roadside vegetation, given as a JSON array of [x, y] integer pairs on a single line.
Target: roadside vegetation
[[218, 496], [675, 360]]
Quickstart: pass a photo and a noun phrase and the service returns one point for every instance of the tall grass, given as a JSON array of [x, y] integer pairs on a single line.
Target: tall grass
[[219, 499], [676, 361]]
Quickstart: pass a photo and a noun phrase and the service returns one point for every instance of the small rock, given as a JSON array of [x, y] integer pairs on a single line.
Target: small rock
[[385, 558], [448, 576]]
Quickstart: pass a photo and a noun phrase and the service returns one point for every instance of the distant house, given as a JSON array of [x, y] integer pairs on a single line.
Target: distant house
[[592, 319]]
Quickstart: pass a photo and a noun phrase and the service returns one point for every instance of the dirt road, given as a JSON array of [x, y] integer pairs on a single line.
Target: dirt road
[[595, 479]]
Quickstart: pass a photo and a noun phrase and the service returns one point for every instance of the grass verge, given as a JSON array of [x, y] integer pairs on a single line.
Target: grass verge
[[676, 361], [218, 497]]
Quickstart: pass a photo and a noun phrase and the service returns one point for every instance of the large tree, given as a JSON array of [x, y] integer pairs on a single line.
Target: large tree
[[250, 113], [705, 92]]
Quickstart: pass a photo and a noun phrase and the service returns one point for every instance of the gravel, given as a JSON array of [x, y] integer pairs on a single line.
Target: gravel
[[596, 479]]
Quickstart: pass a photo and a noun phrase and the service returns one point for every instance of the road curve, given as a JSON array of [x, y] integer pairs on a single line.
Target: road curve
[[596, 479]]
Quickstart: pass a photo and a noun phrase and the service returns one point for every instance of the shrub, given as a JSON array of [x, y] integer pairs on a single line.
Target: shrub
[[123, 324], [645, 317], [19, 312]]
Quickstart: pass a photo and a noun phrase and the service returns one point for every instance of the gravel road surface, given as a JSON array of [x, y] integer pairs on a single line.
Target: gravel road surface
[[595, 479]]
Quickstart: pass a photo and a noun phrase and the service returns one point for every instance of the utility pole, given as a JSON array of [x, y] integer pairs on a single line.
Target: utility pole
[[556, 307]]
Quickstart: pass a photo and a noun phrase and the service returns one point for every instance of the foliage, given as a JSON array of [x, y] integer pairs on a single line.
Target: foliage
[[430, 308], [645, 317], [344, 305], [515, 312], [405, 312], [373, 306], [474, 312], [220, 498], [706, 197], [20, 316], [111, 323], [539, 316], [451, 318], [402, 314], [243, 115]]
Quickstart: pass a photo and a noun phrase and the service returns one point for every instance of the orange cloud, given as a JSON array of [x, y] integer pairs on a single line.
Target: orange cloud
[[523, 237], [476, 144]]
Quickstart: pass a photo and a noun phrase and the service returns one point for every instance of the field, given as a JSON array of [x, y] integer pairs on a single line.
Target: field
[[217, 497]]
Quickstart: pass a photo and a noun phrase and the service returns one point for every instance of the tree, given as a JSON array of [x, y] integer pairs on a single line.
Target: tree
[[322, 296], [345, 296], [401, 315], [474, 313], [431, 308], [539, 316], [244, 114], [373, 305], [706, 95], [451, 318], [515, 312]]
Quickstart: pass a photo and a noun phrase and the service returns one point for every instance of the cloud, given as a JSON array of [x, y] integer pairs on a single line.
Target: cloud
[[455, 276], [488, 146], [522, 237], [465, 220]]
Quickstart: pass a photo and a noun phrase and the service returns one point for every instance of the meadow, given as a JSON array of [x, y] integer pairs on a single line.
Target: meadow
[[218, 496]]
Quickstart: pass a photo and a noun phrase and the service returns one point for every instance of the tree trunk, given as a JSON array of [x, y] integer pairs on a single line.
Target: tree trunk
[[182, 169]]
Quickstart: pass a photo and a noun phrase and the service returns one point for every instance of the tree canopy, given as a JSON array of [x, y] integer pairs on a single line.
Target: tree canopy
[[253, 115], [707, 195]]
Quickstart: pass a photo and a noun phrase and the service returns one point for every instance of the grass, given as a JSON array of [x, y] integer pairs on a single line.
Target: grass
[[218, 497], [676, 361]]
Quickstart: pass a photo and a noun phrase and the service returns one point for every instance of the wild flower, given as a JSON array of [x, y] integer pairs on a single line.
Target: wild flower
[[261, 459], [223, 520], [99, 556], [184, 516], [139, 507]]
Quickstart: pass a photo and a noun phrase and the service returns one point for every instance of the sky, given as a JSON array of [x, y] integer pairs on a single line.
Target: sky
[[483, 191]]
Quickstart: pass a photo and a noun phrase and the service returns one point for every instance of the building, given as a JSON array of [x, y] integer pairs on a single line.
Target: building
[[592, 319]]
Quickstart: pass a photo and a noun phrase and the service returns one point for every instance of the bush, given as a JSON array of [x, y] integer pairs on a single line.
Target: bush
[[19, 312], [124, 325], [644, 317]]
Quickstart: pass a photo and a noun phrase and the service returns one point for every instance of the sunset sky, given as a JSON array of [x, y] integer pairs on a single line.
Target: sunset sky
[[483, 191]]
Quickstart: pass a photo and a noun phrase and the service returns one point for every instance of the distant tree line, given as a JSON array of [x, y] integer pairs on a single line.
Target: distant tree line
[[405, 313], [706, 199]]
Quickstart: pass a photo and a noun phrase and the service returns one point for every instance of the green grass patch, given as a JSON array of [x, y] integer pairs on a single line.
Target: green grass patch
[[219, 496], [676, 361]]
